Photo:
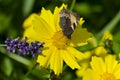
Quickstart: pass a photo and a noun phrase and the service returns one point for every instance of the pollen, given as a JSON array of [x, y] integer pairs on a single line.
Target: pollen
[[60, 40], [107, 76]]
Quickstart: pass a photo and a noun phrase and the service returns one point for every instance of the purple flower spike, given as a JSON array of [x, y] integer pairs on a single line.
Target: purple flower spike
[[22, 47], [11, 44]]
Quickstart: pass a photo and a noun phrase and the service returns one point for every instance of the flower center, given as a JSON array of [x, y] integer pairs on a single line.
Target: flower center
[[107, 76], [59, 40]]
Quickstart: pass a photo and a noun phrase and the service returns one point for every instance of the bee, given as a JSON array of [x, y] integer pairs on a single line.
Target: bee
[[68, 22]]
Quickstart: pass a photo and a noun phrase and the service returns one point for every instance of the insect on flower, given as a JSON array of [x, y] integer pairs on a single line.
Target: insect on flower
[[68, 21], [59, 41]]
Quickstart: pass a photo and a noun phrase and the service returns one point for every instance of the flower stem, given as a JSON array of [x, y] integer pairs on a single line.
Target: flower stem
[[30, 70], [3, 45], [72, 5]]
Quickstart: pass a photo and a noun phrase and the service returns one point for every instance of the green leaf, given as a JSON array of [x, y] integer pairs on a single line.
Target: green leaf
[[4, 22], [110, 26], [116, 43], [7, 66], [80, 35], [27, 6]]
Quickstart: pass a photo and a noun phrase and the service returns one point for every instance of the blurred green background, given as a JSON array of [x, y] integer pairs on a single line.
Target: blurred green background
[[98, 15]]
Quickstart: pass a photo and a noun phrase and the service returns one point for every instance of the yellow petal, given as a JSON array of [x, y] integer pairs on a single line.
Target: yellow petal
[[107, 36], [116, 71], [52, 60], [28, 22], [110, 63], [80, 36], [56, 62], [34, 36], [56, 16], [81, 21], [42, 27], [31, 34], [84, 66], [98, 64], [88, 54], [89, 75], [70, 59], [100, 51], [79, 55], [44, 60], [49, 18]]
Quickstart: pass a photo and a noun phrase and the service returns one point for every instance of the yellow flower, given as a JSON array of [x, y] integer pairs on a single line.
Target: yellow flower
[[103, 69], [58, 48], [98, 51], [107, 36], [85, 62]]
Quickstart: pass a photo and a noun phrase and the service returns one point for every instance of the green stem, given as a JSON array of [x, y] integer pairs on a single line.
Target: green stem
[[30, 70], [110, 25], [72, 5], [3, 45]]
